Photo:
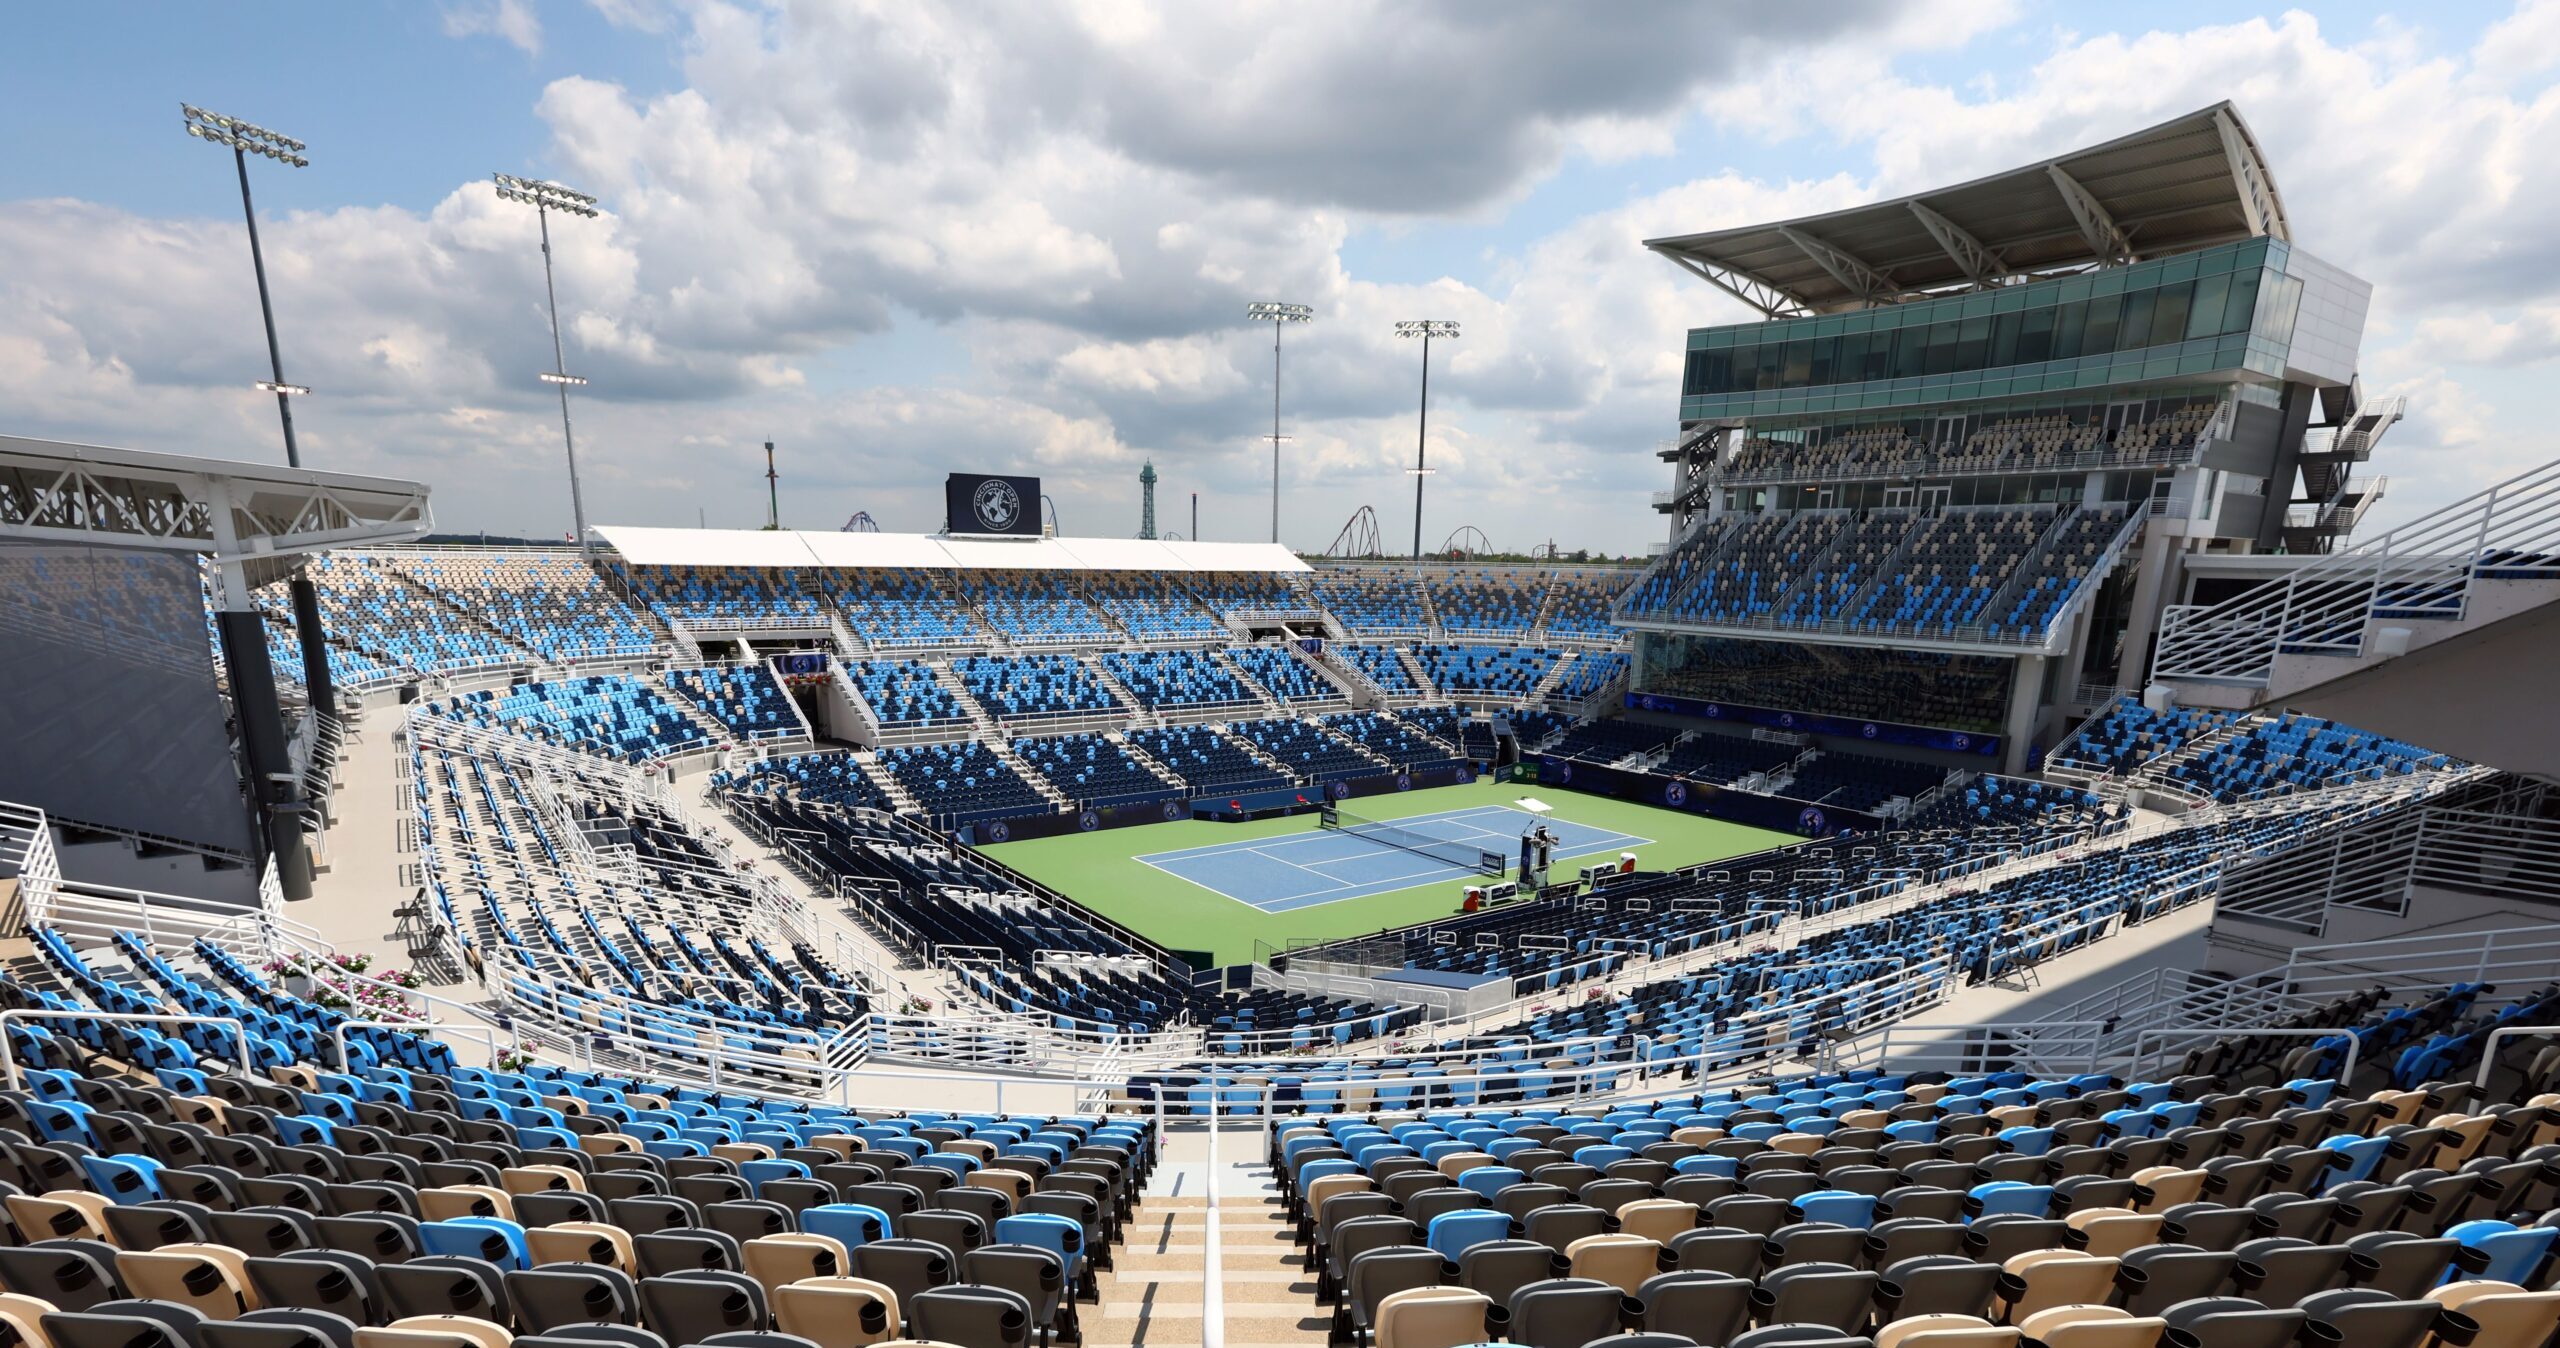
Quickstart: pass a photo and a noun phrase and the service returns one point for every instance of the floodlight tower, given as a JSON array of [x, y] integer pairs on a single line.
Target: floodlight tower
[[1279, 316], [1426, 329], [544, 198], [273, 783]]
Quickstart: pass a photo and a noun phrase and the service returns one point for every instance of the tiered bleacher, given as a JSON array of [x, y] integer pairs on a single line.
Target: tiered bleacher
[[724, 598], [2295, 752], [1590, 672], [1375, 601], [1382, 666], [1579, 604], [1957, 560], [1283, 675], [1176, 678], [1035, 607], [1390, 739], [1310, 755], [615, 715], [962, 783], [1464, 672], [1860, 781], [1010, 686], [1607, 741], [1210, 762], [745, 698], [1093, 771], [2128, 734], [1956, 692], [1153, 609], [1487, 603], [554, 604], [377, 612], [893, 609], [1711, 756], [904, 692]]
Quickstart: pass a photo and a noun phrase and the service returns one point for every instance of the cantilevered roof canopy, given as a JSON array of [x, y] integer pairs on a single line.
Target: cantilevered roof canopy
[[52, 491], [2185, 184], [761, 548]]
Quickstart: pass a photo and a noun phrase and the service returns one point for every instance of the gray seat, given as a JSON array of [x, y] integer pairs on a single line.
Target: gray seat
[[1374, 1276], [72, 1274], [322, 1280], [280, 1327], [445, 1284], [1710, 1308], [1036, 1275], [126, 1324], [2233, 1322], [689, 1307], [1815, 1294], [906, 1267], [1936, 1284], [1562, 1313], [970, 1315], [557, 1295]]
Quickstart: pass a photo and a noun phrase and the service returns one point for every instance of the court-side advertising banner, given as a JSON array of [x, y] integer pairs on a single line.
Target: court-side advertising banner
[[976, 503]]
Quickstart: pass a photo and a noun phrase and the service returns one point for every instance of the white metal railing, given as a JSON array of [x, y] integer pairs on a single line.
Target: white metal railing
[[26, 852], [2517, 958], [2424, 569]]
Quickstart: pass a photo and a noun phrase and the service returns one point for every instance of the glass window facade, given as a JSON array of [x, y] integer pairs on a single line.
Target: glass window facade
[[2226, 308]]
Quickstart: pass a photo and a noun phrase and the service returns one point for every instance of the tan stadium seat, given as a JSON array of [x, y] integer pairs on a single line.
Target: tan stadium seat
[[2508, 1315], [24, 1316], [580, 1243], [212, 1278], [837, 1312], [2168, 1186], [1432, 1317], [2113, 1231], [1458, 1163], [779, 1260], [2093, 1326], [608, 1144], [1013, 1184], [1619, 1259], [436, 1331], [2042, 1279], [541, 1179], [1945, 1331], [1657, 1219], [61, 1214]]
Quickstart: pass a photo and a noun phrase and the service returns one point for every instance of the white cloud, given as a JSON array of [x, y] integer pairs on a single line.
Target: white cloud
[[1082, 198], [511, 21]]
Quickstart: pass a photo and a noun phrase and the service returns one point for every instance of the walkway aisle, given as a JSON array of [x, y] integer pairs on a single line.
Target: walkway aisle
[[1152, 1300]]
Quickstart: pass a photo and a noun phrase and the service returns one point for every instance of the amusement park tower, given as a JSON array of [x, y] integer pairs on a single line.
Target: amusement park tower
[[1147, 486]]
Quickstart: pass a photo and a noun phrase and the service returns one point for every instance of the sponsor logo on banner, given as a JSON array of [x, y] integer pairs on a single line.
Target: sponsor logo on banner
[[1812, 820], [1404, 782], [1339, 790], [996, 505], [1676, 793], [1088, 821], [1867, 731], [1564, 771], [1173, 809], [997, 832]]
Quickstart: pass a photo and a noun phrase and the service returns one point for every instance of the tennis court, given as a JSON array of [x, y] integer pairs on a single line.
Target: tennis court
[[1302, 870]]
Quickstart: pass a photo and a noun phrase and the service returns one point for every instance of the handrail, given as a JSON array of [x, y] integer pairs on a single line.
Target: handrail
[[2489, 1049], [346, 1062], [1213, 1292]]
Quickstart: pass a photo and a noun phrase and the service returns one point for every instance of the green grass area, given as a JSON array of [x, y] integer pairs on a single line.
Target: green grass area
[[1101, 869]]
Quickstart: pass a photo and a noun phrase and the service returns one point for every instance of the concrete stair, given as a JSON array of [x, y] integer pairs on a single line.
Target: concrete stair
[[1152, 1298], [1152, 763], [1270, 701], [1141, 716]]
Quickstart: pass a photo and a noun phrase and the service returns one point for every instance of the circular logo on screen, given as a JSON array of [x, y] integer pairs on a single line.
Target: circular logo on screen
[[1173, 809], [1787, 719], [1088, 821], [1963, 742], [1868, 730], [997, 832], [1564, 771], [1404, 782], [1340, 790], [1812, 820], [996, 504], [1676, 794]]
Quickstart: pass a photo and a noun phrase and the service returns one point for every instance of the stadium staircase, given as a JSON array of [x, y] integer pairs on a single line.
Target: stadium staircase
[[461, 616], [2156, 773], [1049, 791], [1141, 716], [848, 644], [2418, 633], [1271, 704], [1546, 686], [888, 782], [1412, 666], [1151, 1297], [1364, 690], [1260, 755], [1384, 763], [1147, 760], [979, 717]]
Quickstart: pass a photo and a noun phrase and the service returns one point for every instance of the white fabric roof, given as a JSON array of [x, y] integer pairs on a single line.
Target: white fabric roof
[[640, 546]]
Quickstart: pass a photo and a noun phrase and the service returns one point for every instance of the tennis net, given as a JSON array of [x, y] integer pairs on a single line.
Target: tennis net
[[1466, 855]]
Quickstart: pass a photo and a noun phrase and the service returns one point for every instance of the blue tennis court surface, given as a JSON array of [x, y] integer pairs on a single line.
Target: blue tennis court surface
[[1302, 870]]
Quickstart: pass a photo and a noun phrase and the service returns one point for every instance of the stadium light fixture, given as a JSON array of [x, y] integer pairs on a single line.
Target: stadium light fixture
[[244, 139], [1426, 329], [544, 198], [1279, 316]]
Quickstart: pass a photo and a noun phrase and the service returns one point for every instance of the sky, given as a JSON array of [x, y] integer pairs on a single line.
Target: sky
[[901, 240]]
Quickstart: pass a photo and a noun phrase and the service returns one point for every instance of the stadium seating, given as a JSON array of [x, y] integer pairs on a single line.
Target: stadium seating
[[1093, 771], [392, 620], [1390, 739], [1487, 603], [1176, 678], [825, 779], [1989, 800], [2044, 441], [745, 698], [614, 715], [2128, 734], [2294, 752], [963, 783], [1607, 741], [904, 692], [1590, 672], [554, 603], [1579, 605], [1711, 756], [1011, 686], [1854, 562], [2057, 573], [900, 609], [1957, 561], [1373, 600], [1860, 781], [1210, 762], [1956, 692], [1034, 607], [1465, 672], [1153, 609], [1283, 675], [1310, 754], [1383, 668], [723, 598]]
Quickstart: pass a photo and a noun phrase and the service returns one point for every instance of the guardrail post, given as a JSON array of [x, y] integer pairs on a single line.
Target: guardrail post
[[2489, 1049]]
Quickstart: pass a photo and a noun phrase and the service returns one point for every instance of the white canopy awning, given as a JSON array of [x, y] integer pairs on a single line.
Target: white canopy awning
[[761, 548]]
